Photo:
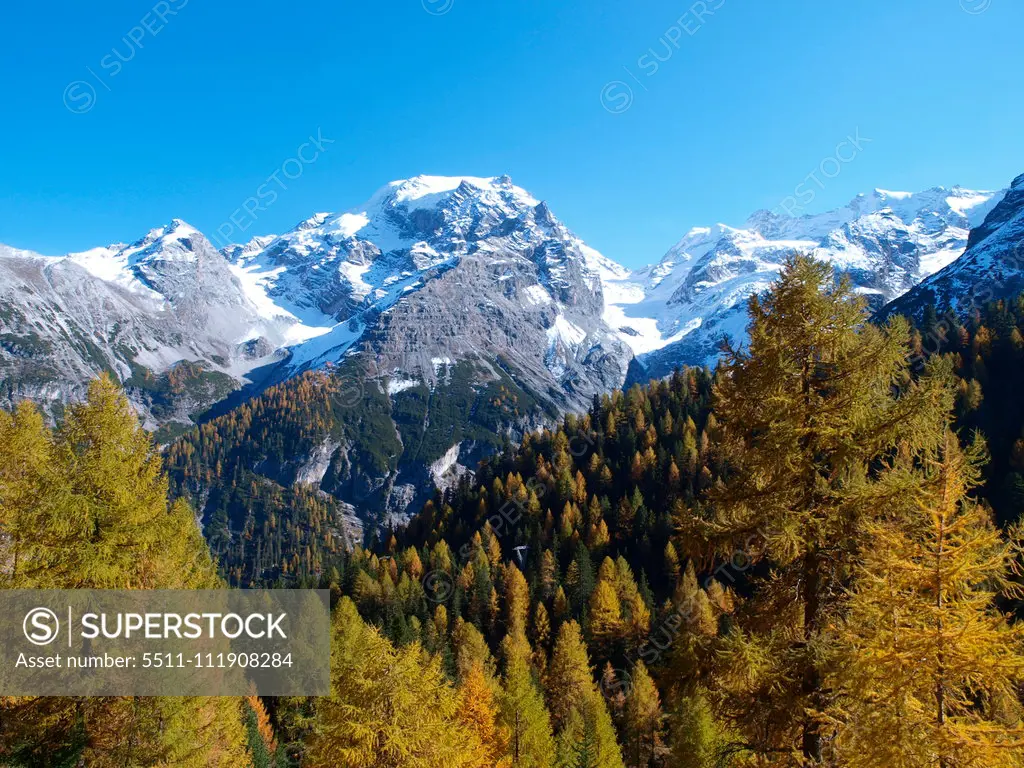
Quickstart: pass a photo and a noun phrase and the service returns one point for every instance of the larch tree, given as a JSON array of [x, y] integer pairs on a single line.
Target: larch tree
[[643, 720], [804, 414], [517, 600], [931, 668], [477, 710], [470, 649], [521, 710], [605, 619], [388, 708], [583, 725], [541, 633], [697, 738], [85, 506], [260, 736], [635, 613]]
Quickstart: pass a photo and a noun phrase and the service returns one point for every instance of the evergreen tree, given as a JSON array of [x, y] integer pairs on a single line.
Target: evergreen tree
[[388, 708], [260, 737]]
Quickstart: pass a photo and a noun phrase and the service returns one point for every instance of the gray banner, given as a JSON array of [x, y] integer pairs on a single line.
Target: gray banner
[[164, 642]]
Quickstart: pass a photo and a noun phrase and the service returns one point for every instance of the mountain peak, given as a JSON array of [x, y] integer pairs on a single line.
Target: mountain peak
[[889, 194], [313, 221], [543, 214], [423, 185], [177, 229], [885, 240], [426, 189], [990, 268]]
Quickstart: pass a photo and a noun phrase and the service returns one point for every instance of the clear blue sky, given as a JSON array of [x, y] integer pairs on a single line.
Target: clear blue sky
[[748, 101]]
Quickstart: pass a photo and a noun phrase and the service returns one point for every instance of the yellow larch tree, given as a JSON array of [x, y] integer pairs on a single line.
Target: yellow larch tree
[[85, 506], [478, 711], [805, 413], [931, 669], [389, 707]]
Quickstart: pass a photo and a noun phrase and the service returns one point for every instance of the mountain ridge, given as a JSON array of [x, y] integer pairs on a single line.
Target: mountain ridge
[[885, 242], [307, 295], [463, 309], [991, 267]]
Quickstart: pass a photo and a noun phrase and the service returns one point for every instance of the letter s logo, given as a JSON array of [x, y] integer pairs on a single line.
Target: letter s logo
[[41, 626]]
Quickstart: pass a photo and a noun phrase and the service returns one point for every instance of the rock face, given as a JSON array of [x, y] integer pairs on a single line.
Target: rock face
[[439, 269], [459, 303], [430, 269], [991, 268], [465, 312], [678, 310], [164, 315]]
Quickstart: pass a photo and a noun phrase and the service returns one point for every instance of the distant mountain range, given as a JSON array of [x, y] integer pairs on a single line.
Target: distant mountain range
[[430, 272], [992, 267], [438, 279], [678, 310]]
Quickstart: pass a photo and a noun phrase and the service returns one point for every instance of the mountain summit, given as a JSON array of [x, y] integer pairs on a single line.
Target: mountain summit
[[445, 268], [465, 309]]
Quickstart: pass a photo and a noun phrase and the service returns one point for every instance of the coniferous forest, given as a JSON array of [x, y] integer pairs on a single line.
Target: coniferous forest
[[809, 556]]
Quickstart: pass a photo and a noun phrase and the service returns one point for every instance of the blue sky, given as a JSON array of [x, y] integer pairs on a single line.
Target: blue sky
[[569, 98]]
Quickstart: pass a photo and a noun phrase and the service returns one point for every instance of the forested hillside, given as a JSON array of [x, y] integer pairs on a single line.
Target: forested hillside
[[785, 565], [268, 476], [791, 561], [987, 350]]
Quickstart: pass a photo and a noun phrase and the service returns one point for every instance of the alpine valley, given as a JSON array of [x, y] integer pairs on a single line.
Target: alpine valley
[[354, 363]]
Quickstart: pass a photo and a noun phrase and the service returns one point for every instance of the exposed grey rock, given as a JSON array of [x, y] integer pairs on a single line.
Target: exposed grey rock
[[136, 312]]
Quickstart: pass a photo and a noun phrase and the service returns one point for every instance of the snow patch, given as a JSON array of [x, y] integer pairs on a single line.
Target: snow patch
[[348, 224], [397, 385], [439, 362], [536, 294], [354, 274], [255, 284], [565, 331]]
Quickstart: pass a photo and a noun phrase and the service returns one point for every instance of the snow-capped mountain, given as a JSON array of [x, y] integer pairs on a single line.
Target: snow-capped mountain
[[442, 268], [166, 302], [991, 268], [678, 310], [430, 272], [463, 308]]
